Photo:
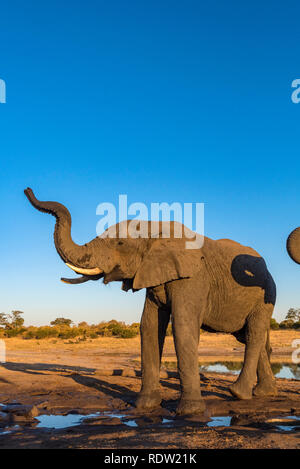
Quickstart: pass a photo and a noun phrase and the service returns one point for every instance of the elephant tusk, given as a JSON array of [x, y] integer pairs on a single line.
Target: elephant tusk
[[78, 270], [75, 281]]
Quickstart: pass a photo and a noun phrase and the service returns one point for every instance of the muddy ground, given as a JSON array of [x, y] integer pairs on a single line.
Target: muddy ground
[[103, 376]]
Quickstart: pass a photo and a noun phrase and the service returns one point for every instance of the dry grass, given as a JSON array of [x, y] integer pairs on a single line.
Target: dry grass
[[109, 343], [211, 346]]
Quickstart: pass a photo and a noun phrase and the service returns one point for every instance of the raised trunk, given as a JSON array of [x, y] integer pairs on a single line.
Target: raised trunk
[[293, 245], [69, 251]]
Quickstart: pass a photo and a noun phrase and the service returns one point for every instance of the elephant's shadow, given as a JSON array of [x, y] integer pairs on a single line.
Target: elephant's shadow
[[38, 368], [113, 390], [222, 395], [80, 375], [84, 376]]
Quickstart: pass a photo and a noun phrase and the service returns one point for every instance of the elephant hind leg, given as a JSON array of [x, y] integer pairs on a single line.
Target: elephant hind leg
[[266, 383], [256, 329]]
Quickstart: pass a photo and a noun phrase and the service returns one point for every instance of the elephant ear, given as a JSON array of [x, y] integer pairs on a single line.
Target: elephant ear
[[167, 260], [293, 245]]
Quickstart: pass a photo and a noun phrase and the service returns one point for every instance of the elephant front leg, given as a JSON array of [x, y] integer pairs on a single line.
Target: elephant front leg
[[154, 324], [186, 331]]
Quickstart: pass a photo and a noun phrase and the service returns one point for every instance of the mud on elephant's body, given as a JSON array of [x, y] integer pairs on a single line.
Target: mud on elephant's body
[[222, 287]]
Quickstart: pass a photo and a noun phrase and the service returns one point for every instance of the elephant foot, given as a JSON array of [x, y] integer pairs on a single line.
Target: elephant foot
[[240, 392], [265, 388], [190, 407], [147, 401]]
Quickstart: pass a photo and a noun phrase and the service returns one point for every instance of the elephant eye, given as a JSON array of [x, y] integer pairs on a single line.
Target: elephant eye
[[120, 243]]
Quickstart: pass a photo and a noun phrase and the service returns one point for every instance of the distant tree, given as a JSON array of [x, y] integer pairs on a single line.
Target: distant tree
[[16, 320], [12, 321], [3, 320], [293, 315], [61, 322], [83, 324], [286, 324], [274, 324]]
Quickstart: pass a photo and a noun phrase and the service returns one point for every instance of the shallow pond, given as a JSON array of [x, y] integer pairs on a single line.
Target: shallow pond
[[283, 423], [70, 420], [280, 423], [287, 423], [219, 422], [61, 421], [280, 370]]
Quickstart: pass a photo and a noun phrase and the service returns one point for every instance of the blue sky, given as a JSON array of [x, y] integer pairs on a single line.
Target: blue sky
[[163, 101]]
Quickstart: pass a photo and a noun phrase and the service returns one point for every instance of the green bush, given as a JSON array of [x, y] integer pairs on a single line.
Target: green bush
[[128, 333], [276, 367], [14, 332], [45, 332], [62, 329], [61, 322], [92, 335], [286, 324], [116, 329], [274, 324], [69, 333]]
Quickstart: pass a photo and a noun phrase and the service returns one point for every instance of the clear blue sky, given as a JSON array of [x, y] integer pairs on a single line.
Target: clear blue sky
[[164, 101]]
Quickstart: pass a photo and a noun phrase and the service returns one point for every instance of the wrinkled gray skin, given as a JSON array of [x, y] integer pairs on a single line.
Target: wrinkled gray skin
[[293, 245], [222, 287]]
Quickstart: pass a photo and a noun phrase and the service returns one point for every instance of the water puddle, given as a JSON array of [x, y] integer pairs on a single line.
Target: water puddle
[[219, 422], [71, 420], [221, 368], [288, 372], [8, 430], [123, 418], [61, 421], [286, 424], [280, 370]]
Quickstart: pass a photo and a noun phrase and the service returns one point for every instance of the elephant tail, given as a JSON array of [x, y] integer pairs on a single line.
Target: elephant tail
[[268, 345]]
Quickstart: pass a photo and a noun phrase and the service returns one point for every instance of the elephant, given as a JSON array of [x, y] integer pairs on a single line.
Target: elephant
[[221, 287], [293, 245]]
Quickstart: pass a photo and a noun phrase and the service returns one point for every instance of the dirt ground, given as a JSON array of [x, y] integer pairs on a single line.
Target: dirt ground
[[103, 375]]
